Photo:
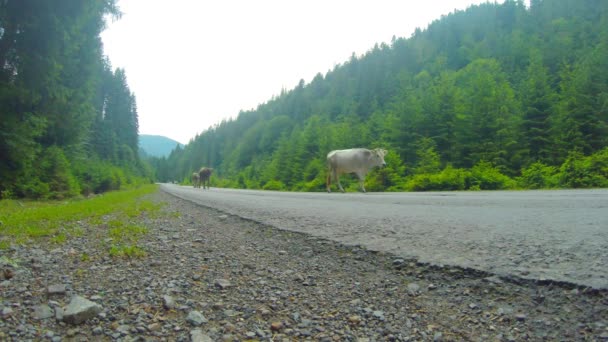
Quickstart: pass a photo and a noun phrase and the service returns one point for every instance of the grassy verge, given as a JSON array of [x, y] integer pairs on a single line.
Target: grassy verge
[[57, 221]]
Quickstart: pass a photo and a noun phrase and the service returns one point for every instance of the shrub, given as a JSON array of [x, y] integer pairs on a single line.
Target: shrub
[[390, 177], [448, 179], [56, 170], [274, 185], [538, 176], [315, 185], [584, 172], [484, 176]]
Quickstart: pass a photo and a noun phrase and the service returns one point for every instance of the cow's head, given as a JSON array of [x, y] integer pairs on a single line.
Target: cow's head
[[378, 156]]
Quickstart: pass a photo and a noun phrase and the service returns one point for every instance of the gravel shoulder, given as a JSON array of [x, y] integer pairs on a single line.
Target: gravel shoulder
[[211, 276]]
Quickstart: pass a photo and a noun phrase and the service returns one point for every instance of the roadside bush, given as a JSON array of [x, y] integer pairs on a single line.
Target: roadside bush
[[315, 185], [388, 178], [448, 179], [484, 176], [56, 169], [538, 176], [274, 185], [97, 177], [31, 187], [579, 171]]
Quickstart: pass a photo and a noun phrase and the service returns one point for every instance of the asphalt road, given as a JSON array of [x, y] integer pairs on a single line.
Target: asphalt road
[[555, 235]]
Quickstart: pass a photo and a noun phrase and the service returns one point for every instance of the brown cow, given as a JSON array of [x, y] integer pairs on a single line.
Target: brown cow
[[203, 175], [196, 180]]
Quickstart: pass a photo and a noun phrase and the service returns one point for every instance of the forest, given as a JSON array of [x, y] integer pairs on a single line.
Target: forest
[[69, 122], [497, 96]]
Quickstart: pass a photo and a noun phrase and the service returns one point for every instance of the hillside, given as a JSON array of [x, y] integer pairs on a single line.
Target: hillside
[[497, 96], [157, 145]]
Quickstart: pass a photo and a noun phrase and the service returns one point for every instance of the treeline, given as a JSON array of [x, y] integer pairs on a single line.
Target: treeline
[[497, 96], [69, 122]]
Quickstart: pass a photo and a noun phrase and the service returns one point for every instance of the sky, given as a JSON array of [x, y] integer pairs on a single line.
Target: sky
[[193, 63]]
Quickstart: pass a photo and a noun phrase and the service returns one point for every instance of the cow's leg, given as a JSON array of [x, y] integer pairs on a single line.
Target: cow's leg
[[361, 180], [338, 181], [328, 182]]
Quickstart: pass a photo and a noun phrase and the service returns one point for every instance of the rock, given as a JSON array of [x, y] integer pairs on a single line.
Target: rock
[[379, 315], [355, 319], [493, 280], [398, 262], [222, 284], [56, 289], [154, 327], [43, 311], [197, 335], [58, 314], [6, 312], [413, 288], [79, 310], [276, 326], [168, 302], [521, 317], [196, 318], [505, 310]]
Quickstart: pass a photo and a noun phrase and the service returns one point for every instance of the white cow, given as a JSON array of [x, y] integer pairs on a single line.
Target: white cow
[[356, 160]]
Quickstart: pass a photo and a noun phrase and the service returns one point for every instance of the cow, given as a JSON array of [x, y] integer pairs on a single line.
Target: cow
[[195, 180], [203, 175], [356, 160]]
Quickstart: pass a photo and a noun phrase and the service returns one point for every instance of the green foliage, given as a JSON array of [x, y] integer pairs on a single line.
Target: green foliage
[[388, 178], [127, 251], [56, 169], [274, 185], [538, 176], [448, 179], [485, 176], [428, 158], [579, 171], [64, 110], [490, 91], [30, 220]]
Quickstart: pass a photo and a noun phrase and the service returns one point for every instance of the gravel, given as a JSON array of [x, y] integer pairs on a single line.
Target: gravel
[[209, 276]]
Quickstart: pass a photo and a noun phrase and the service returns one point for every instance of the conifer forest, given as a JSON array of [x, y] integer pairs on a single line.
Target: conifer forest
[[510, 95]]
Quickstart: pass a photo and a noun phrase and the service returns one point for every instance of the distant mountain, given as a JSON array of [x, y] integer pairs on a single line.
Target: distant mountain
[[157, 145]]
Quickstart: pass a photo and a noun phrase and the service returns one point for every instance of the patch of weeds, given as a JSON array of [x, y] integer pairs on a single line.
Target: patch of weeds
[[175, 214], [127, 251], [59, 238], [4, 260], [84, 257], [30, 220], [4, 245], [80, 273], [121, 231], [139, 207]]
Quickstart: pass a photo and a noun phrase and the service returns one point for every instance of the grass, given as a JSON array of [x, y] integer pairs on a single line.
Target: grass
[[58, 221]]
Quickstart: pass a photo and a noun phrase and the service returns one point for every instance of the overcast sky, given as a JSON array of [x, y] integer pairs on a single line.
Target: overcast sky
[[192, 63]]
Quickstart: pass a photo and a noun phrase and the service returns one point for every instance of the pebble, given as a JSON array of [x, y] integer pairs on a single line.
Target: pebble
[[222, 284], [276, 326], [57, 289], [196, 318]]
